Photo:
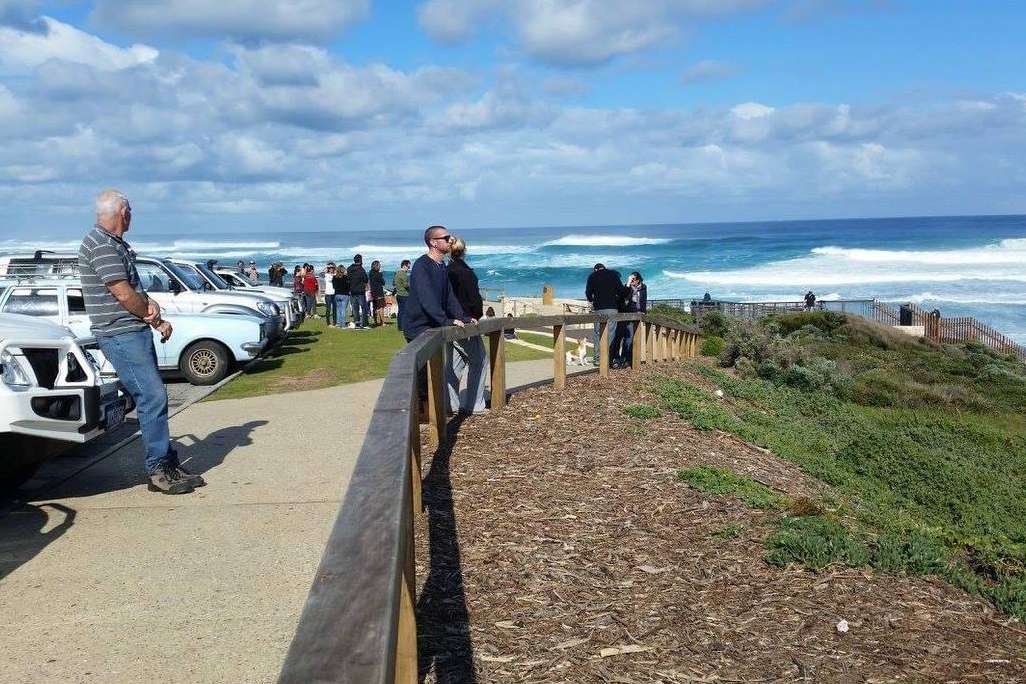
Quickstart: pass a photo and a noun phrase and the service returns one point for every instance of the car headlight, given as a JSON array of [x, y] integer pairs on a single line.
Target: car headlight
[[267, 308], [11, 372]]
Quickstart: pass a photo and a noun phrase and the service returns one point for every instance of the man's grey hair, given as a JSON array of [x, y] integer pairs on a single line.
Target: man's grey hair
[[109, 202]]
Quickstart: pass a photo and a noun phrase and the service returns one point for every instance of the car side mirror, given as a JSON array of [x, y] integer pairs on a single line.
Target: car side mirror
[[175, 286]]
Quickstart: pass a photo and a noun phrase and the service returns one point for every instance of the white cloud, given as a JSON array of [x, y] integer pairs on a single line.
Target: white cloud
[[751, 110], [22, 49], [574, 32], [709, 70], [247, 20]]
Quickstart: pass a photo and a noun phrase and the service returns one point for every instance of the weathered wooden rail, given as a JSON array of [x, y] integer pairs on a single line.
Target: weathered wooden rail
[[359, 622]]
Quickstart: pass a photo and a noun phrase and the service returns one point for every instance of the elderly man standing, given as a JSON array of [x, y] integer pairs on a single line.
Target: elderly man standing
[[121, 315]]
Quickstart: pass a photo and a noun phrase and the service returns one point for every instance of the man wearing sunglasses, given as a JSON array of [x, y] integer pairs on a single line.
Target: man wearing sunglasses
[[431, 303]]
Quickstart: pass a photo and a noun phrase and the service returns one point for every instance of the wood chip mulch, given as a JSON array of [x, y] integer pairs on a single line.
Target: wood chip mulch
[[559, 546]]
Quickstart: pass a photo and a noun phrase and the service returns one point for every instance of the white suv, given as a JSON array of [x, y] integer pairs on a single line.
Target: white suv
[[283, 298], [51, 395], [176, 290]]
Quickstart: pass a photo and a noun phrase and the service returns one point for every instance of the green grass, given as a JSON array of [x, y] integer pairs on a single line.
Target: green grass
[[721, 481], [728, 531], [316, 356], [925, 490], [642, 411]]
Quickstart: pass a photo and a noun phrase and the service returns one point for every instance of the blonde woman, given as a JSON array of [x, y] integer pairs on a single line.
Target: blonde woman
[[467, 357]]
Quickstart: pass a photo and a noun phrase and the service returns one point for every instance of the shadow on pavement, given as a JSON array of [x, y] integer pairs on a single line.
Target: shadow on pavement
[[443, 622], [124, 468], [27, 530]]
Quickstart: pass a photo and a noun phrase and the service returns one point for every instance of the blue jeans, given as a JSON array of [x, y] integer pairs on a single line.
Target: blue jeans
[[623, 345], [361, 309], [329, 309], [135, 360], [466, 356], [341, 309], [597, 334]]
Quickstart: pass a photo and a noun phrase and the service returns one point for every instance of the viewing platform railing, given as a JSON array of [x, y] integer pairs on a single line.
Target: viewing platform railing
[[359, 622]]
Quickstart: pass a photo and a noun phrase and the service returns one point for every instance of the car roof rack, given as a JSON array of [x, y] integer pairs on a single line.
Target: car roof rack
[[47, 270]]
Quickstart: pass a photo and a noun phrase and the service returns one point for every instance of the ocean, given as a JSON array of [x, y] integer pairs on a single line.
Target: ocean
[[965, 265]]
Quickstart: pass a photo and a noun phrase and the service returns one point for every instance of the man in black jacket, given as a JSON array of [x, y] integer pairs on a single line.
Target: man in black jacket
[[358, 292], [606, 293]]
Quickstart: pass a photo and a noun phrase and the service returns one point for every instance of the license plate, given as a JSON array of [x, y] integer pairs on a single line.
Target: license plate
[[114, 415]]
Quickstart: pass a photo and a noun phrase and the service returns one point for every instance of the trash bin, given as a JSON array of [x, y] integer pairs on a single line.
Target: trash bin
[[905, 315]]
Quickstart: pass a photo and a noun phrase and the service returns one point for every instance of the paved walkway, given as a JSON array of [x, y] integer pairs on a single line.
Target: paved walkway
[[103, 581]]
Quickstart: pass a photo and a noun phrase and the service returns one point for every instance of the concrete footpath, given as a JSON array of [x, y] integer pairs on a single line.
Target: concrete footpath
[[101, 580]]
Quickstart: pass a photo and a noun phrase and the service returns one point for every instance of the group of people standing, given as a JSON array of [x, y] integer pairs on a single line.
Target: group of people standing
[[609, 295], [351, 289]]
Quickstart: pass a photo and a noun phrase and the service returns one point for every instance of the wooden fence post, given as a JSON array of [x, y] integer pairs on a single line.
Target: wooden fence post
[[416, 475], [638, 344], [497, 358], [676, 345], [559, 356], [653, 344], [406, 637], [436, 396], [604, 349]]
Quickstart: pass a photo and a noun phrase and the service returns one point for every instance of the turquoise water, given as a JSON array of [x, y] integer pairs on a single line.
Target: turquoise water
[[968, 265]]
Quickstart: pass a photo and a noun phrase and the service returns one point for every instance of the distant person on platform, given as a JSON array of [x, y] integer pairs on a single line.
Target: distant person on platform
[[606, 292], [468, 356], [253, 274], [240, 267], [376, 283], [810, 301], [401, 290], [121, 315], [358, 292]]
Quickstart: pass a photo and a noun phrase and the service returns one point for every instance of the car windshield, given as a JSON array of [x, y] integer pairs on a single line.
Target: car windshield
[[216, 280], [188, 276]]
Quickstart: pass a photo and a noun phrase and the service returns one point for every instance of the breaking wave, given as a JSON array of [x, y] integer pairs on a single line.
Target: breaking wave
[[604, 241]]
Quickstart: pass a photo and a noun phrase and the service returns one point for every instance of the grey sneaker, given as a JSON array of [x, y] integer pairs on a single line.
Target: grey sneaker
[[194, 480], [166, 480]]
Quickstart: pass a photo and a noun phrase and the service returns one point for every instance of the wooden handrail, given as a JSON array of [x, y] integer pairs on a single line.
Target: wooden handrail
[[358, 625]]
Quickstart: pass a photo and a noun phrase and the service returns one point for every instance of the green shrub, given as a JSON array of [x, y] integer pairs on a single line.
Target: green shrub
[[720, 481], [815, 542], [672, 313], [642, 411], [714, 323], [823, 321], [729, 531], [711, 346]]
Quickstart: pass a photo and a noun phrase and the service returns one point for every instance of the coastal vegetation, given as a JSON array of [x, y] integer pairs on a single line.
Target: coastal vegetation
[[922, 446]]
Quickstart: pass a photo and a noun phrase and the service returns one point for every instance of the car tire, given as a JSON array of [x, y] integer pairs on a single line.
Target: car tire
[[204, 363]]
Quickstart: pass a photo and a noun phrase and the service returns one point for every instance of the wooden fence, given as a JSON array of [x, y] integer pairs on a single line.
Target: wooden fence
[[359, 623]]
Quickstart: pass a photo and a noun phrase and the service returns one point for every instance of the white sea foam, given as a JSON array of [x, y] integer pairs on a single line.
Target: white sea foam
[[1011, 299], [828, 267], [604, 241]]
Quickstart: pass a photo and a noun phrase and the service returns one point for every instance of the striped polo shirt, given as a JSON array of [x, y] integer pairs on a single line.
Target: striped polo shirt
[[103, 259]]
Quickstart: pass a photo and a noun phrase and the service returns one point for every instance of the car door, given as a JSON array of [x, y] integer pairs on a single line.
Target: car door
[[75, 314], [160, 285]]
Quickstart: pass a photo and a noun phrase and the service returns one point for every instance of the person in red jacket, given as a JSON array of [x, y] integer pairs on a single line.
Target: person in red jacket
[[310, 288]]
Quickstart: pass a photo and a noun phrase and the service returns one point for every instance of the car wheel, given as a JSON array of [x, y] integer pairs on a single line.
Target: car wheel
[[204, 363]]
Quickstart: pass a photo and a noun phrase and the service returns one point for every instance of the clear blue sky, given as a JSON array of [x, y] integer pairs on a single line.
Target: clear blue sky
[[509, 112]]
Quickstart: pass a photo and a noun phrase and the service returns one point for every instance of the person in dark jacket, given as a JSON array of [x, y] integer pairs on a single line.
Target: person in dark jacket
[[340, 282], [358, 281], [466, 357], [606, 293], [376, 282], [635, 302], [432, 303]]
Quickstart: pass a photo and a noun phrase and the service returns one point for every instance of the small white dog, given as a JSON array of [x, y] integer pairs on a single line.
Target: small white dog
[[578, 357]]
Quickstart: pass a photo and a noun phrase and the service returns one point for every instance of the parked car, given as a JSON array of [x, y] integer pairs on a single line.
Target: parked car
[[204, 347], [52, 395], [283, 298], [240, 283], [176, 290]]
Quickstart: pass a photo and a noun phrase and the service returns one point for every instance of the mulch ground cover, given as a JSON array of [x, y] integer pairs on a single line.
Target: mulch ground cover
[[559, 545]]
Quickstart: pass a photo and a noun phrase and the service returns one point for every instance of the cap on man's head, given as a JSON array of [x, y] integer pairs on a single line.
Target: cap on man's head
[[599, 266]]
